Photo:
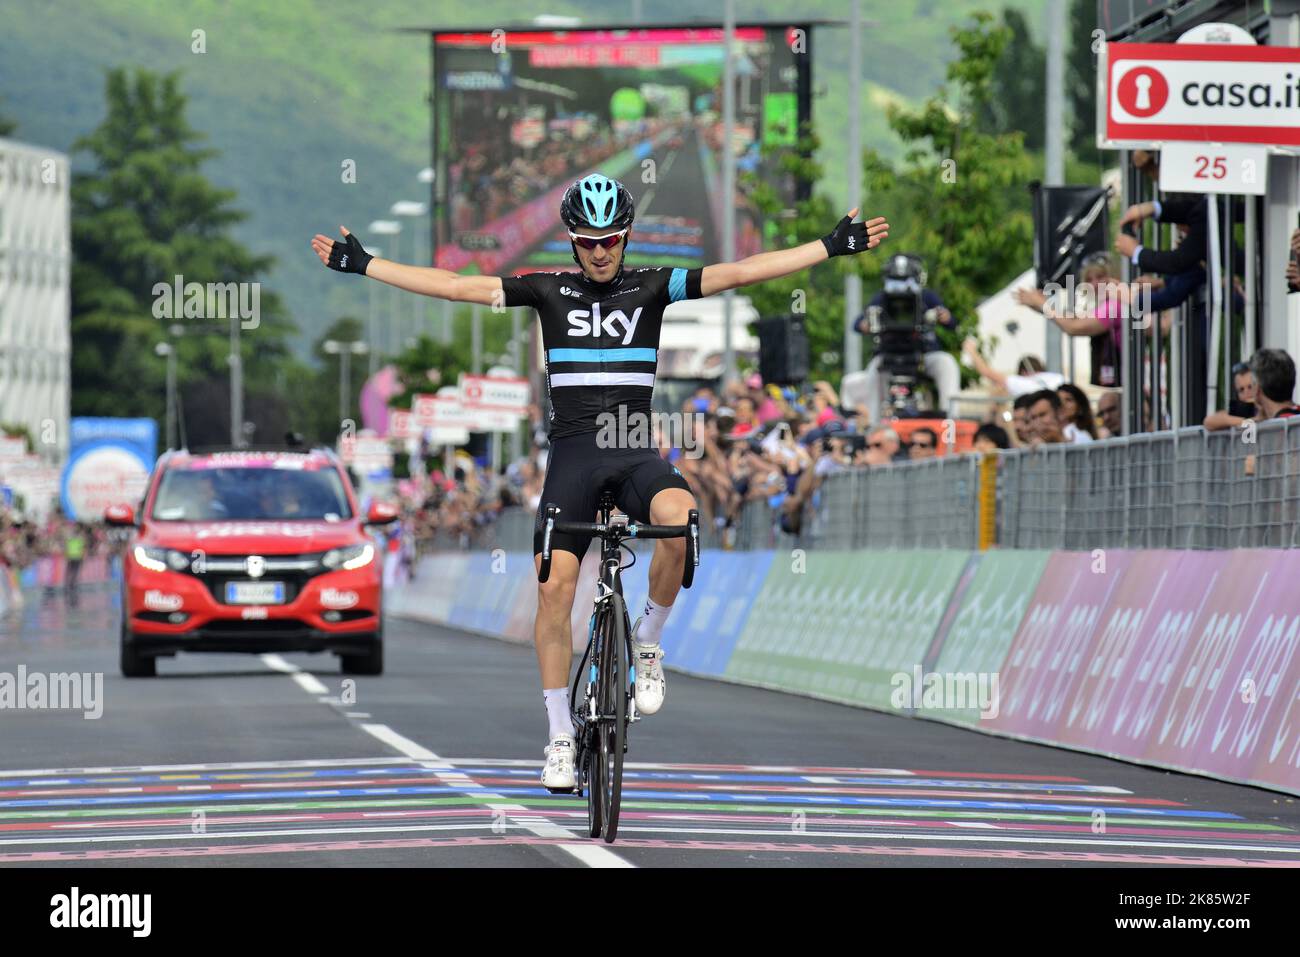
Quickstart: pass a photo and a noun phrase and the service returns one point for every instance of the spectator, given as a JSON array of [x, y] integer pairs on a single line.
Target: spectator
[[1044, 416], [1108, 408], [1190, 210], [1031, 374], [1274, 384], [924, 444], [1106, 301], [883, 444], [1020, 423], [1242, 404], [1077, 410], [991, 438], [746, 420]]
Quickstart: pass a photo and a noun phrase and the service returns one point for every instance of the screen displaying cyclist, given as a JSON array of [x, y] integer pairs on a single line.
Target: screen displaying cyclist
[[600, 335]]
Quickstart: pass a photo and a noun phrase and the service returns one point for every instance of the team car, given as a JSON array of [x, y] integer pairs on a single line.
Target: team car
[[252, 551]]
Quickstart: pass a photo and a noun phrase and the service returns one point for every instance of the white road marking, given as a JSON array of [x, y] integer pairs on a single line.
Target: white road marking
[[459, 779], [308, 682], [209, 766], [591, 853]]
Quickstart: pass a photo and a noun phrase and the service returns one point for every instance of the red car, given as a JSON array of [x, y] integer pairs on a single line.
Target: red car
[[252, 551]]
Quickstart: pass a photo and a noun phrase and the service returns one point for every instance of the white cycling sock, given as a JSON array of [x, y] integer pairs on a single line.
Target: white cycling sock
[[652, 623], [557, 711]]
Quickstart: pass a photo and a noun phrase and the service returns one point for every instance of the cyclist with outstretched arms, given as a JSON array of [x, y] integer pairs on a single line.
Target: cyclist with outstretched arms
[[600, 333]]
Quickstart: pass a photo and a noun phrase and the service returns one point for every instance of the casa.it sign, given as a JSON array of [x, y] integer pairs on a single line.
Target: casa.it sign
[[1154, 93]]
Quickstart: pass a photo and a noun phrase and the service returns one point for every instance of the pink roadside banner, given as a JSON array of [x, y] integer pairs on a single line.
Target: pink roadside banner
[[1181, 659]]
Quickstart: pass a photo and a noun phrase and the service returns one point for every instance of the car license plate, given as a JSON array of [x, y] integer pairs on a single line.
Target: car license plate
[[255, 593]]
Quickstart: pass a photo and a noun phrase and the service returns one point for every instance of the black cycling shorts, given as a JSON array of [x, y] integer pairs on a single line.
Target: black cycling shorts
[[577, 469]]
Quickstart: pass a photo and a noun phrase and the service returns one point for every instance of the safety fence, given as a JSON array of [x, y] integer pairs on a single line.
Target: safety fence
[[1174, 658], [1182, 489]]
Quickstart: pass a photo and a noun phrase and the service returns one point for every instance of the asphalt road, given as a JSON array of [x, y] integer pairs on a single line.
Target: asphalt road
[[273, 761]]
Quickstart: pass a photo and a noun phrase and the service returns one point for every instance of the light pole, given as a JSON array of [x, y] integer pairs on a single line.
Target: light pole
[[729, 182], [411, 208], [389, 227], [236, 385], [168, 351], [345, 351], [371, 319]]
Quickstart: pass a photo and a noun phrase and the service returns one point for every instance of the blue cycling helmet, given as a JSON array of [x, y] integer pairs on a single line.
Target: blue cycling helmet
[[597, 202]]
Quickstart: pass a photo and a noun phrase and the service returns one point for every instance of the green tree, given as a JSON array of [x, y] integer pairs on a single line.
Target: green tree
[[1081, 78], [145, 215], [959, 197], [819, 291], [1018, 89]]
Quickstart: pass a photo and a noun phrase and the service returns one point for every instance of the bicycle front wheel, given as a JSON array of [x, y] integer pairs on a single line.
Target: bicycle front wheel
[[613, 694]]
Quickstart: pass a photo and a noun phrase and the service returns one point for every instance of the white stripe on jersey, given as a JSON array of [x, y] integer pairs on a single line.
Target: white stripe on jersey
[[602, 378]]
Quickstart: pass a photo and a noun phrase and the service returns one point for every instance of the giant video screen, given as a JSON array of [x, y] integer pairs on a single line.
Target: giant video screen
[[520, 116]]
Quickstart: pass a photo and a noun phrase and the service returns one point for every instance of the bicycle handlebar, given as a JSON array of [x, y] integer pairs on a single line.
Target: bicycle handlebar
[[617, 532]]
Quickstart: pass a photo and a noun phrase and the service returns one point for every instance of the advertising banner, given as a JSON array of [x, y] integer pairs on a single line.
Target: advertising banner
[[1154, 93], [109, 461]]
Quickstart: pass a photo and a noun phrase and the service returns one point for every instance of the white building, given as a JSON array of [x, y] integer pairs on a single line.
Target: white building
[[35, 294]]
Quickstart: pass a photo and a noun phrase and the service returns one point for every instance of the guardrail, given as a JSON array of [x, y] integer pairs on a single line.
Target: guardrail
[[1181, 489]]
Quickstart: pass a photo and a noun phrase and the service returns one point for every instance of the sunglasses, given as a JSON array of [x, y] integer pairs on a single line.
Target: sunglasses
[[609, 240], [922, 445], [876, 445]]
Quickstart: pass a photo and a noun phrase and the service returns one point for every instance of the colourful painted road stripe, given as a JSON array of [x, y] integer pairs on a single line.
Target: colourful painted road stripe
[[344, 808]]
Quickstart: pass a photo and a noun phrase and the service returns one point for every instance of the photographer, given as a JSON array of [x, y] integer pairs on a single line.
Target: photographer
[[905, 276]]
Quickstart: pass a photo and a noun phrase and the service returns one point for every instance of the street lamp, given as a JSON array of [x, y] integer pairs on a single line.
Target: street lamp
[[168, 351], [409, 207], [389, 227], [345, 351]]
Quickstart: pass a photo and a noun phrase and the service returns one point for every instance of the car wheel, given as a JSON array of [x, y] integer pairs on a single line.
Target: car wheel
[[370, 663], [134, 664]]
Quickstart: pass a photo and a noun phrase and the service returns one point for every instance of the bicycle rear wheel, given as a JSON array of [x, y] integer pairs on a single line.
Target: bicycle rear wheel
[[612, 729]]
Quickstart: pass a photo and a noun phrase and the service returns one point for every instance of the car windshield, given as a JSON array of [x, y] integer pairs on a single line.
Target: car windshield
[[281, 494]]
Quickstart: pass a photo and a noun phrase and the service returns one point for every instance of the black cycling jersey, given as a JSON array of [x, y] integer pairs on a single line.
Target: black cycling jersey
[[601, 340]]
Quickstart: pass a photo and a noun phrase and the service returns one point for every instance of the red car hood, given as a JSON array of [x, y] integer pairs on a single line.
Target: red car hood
[[252, 538]]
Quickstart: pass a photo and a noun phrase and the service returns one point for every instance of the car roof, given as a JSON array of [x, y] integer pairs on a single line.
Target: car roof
[[231, 458]]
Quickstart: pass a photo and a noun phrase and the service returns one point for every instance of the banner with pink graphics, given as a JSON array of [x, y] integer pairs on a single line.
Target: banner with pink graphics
[[1179, 659]]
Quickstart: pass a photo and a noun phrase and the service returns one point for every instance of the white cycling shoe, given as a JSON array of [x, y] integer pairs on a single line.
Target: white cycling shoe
[[558, 774], [650, 683]]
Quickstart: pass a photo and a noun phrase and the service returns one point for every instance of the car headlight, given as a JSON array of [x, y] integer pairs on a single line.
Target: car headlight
[[160, 559], [353, 556]]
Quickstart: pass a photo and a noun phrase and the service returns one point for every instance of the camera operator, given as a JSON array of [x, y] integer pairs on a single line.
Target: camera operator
[[905, 276]]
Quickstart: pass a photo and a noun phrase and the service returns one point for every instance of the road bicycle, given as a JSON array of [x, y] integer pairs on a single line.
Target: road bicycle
[[602, 695]]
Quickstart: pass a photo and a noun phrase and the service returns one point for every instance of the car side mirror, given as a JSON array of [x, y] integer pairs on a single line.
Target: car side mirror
[[381, 513], [121, 515]]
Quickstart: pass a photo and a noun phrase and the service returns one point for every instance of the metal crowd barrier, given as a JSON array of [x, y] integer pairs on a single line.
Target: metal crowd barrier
[[1182, 489]]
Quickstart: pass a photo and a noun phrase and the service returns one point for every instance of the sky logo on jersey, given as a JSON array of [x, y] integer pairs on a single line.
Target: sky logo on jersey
[[584, 323]]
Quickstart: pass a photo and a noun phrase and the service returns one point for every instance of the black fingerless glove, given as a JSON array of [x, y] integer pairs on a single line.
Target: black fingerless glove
[[349, 256], [846, 239]]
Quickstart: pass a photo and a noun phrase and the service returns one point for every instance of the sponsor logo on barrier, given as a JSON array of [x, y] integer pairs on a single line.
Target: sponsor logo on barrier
[[945, 690]]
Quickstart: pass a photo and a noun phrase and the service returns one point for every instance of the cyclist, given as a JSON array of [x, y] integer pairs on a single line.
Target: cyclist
[[600, 333]]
